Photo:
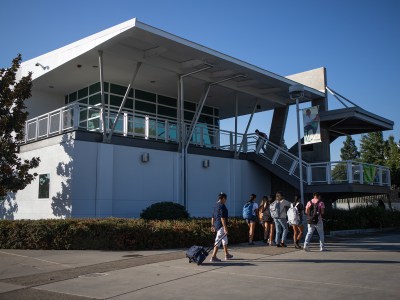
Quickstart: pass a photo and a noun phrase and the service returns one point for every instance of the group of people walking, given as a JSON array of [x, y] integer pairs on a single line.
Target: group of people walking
[[275, 214]]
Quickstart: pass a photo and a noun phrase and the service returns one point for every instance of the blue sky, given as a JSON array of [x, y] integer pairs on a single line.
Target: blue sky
[[358, 41]]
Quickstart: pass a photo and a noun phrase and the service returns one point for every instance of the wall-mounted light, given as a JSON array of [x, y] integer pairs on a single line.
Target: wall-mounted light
[[206, 163], [43, 67], [145, 157]]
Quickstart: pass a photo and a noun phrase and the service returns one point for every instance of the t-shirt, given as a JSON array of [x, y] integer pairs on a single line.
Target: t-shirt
[[282, 208], [255, 207], [220, 211], [321, 205]]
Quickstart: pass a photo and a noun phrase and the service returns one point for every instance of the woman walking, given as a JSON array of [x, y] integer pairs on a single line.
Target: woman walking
[[266, 220], [299, 227], [251, 216]]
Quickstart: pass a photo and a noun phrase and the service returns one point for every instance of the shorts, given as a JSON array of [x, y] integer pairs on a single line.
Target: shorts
[[252, 220], [220, 233]]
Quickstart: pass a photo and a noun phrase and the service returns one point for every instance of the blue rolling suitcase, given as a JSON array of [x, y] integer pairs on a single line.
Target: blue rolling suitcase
[[198, 254]]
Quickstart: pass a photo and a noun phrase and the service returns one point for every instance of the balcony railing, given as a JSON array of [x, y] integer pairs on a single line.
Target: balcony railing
[[85, 117]]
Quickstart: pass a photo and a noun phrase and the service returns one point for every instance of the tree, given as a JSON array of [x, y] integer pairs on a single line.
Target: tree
[[349, 150], [392, 155], [14, 172], [372, 148]]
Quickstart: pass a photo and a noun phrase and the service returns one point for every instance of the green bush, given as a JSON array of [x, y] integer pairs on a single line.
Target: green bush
[[361, 217], [113, 234], [165, 211]]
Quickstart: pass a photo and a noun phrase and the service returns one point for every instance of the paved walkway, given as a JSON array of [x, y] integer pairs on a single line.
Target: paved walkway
[[363, 268]]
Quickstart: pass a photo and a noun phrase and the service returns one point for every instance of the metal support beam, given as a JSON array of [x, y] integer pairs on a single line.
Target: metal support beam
[[247, 128], [236, 119], [103, 118], [138, 65]]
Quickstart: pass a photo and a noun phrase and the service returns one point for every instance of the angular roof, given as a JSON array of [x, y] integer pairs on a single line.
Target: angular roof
[[164, 56]]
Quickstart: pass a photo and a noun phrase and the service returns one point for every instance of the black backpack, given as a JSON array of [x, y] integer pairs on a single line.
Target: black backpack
[[313, 216]]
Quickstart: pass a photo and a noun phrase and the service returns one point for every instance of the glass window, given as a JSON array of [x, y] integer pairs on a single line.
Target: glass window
[[167, 101], [189, 115], [145, 96], [128, 103], [84, 101], [82, 93], [207, 110], [94, 88], [117, 89], [73, 97], [145, 107], [115, 100], [216, 112], [167, 111], [189, 106], [95, 99], [44, 185]]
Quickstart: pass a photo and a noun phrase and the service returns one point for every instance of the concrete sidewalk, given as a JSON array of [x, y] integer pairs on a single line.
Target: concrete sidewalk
[[364, 268]]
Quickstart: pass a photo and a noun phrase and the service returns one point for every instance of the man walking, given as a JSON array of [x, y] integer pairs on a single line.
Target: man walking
[[219, 224], [262, 137], [315, 209]]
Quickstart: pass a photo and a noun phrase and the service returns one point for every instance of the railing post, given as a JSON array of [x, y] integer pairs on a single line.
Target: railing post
[[328, 173], [48, 125], [60, 130], [293, 167], [245, 143], [26, 131], [146, 127], [388, 178], [231, 141], [125, 124], [380, 176], [166, 131], [349, 169], [361, 174], [37, 129], [217, 138], [76, 117], [309, 174], [201, 136], [275, 157]]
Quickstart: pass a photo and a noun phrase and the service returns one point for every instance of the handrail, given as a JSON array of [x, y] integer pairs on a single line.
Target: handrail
[[87, 117]]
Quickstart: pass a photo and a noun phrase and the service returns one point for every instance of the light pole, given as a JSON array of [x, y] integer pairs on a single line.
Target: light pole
[[296, 92]]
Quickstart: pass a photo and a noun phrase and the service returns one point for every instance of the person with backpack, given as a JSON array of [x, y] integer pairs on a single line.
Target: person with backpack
[[295, 219], [315, 209], [219, 225], [266, 220], [249, 214], [278, 212]]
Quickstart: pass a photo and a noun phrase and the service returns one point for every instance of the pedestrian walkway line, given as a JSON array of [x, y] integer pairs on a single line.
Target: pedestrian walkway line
[[39, 259]]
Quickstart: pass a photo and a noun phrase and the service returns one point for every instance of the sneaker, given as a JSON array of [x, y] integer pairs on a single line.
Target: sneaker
[[279, 245], [215, 259], [228, 256], [283, 245], [323, 249], [306, 248]]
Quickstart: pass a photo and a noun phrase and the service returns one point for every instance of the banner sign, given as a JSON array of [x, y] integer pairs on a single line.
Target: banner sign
[[312, 132]]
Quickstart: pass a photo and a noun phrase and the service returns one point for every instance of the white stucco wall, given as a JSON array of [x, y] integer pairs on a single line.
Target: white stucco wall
[[90, 179], [43, 102]]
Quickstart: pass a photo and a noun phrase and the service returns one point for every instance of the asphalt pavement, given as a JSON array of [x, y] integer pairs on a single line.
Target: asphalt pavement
[[364, 267]]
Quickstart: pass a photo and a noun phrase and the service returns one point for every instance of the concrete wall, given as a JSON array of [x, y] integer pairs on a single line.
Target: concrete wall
[[90, 179]]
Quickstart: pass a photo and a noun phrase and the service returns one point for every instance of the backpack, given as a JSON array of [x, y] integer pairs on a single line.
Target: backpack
[[313, 216], [293, 215], [248, 211], [274, 208]]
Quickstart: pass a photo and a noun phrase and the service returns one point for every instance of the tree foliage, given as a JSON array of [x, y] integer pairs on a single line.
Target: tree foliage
[[372, 148], [392, 155], [349, 150], [14, 172]]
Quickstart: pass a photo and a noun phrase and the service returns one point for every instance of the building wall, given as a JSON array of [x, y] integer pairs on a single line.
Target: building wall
[[41, 103], [89, 179]]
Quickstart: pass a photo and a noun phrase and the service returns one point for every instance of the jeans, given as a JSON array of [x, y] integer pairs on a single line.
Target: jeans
[[320, 229], [279, 225]]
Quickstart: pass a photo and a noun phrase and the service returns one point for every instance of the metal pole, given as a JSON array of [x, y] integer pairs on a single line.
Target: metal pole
[[247, 128], [299, 150], [236, 118], [103, 119]]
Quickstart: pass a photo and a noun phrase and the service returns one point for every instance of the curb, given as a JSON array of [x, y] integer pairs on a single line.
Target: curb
[[358, 231]]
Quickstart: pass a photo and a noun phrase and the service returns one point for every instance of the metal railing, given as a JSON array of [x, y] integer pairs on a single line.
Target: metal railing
[[87, 117]]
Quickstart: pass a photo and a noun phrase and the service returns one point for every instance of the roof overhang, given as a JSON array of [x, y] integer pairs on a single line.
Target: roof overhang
[[353, 120], [164, 57]]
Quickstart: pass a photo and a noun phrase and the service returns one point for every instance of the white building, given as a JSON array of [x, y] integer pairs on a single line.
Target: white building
[[152, 133]]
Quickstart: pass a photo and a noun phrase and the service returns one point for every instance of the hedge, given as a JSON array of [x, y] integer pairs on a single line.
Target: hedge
[[139, 234], [112, 234]]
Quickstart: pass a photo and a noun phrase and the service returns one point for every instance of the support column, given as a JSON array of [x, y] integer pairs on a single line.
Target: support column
[[278, 125], [247, 129], [102, 114]]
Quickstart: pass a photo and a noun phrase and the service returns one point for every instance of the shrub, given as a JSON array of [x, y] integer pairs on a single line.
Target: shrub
[[165, 211]]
